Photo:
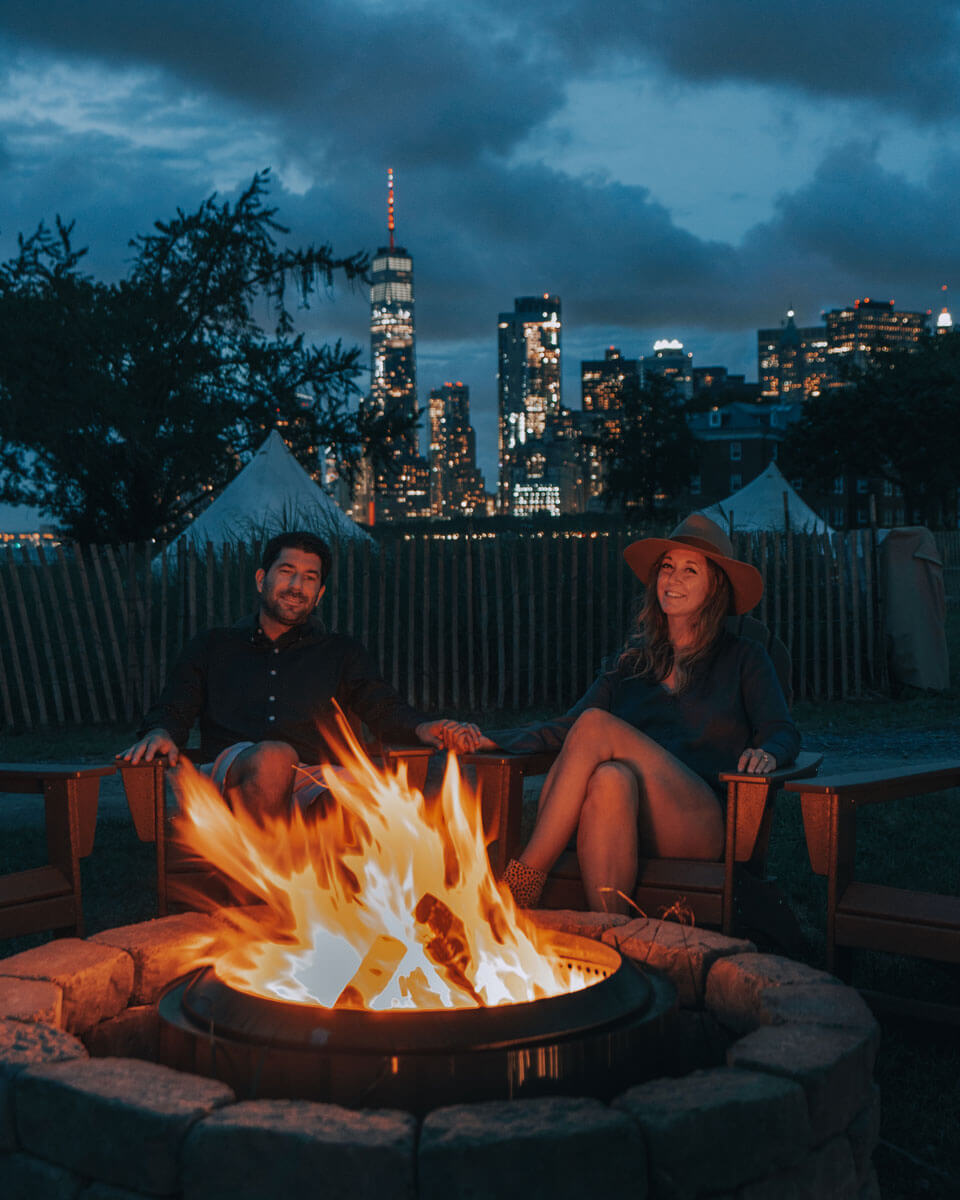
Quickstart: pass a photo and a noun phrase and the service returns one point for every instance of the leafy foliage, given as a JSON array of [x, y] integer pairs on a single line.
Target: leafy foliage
[[124, 405], [652, 452], [899, 420]]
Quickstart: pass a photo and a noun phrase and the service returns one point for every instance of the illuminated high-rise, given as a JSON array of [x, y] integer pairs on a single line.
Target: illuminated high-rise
[[456, 485], [403, 488], [528, 386]]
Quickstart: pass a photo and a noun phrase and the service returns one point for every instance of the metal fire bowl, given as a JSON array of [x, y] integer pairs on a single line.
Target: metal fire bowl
[[595, 1041]]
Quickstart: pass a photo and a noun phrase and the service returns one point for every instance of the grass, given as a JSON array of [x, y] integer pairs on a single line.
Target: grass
[[914, 843]]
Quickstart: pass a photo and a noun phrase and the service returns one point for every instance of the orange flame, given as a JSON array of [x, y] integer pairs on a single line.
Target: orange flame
[[383, 898]]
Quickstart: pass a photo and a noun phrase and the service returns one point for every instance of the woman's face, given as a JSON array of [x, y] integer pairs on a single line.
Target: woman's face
[[683, 583]]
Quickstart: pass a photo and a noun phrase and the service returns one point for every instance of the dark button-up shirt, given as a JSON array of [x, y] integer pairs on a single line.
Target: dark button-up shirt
[[733, 701], [242, 686]]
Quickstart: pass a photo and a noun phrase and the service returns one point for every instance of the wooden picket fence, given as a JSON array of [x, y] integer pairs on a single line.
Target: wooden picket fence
[[464, 623]]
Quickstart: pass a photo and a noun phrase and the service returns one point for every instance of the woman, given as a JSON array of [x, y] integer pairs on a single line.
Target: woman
[[637, 775]]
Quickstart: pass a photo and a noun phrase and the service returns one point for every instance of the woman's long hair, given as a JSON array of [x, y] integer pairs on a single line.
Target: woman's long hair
[[649, 651]]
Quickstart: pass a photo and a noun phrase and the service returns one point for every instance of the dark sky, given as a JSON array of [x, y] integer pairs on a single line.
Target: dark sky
[[682, 169]]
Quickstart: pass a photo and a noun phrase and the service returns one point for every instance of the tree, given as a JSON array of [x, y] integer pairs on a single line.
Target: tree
[[898, 420], [124, 405], [652, 452]]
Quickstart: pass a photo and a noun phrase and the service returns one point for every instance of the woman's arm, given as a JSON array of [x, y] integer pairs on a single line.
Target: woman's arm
[[549, 735], [774, 730]]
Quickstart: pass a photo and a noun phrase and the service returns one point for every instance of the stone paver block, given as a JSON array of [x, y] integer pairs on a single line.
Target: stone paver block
[[818, 1004], [96, 980], [684, 953], [135, 1033], [25, 1045], [117, 1120], [825, 1174], [30, 1000], [717, 1129], [261, 1148], [106, 1191], [696, 1040], [27, 1178], [870, 1188], [163, 949], [833, 1066], [863, 1133], [735, 986], [557, 1147], [581, 924]]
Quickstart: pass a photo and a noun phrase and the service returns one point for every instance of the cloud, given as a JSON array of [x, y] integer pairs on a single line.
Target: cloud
[[904, 58], [414, 81]]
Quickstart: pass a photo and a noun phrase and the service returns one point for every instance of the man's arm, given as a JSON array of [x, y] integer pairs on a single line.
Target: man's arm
[[153, 744], [168, 723], [364, 691]]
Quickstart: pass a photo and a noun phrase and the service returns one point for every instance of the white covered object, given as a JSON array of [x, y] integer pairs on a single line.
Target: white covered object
[[759, 505], [271, 494]]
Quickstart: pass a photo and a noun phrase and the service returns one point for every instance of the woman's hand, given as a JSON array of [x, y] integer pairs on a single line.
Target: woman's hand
[[756, 762], [462, 737]]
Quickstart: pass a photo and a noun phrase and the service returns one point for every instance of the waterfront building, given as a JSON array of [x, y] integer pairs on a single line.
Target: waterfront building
[[456, 484], [528, 386], [401, 488]]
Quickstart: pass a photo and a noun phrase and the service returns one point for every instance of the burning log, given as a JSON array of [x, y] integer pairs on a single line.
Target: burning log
[[448, 948], [378, 967]]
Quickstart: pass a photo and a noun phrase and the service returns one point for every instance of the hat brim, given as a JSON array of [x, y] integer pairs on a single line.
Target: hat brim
[[746, 582]]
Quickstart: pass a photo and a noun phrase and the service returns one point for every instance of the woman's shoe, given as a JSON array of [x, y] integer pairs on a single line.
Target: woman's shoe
[[525, 883]]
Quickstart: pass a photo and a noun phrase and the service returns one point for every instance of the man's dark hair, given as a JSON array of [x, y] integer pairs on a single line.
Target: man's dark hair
[[309, 543]]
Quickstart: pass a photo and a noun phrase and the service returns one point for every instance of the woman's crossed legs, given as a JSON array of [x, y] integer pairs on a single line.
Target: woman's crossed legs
[[625, 797]]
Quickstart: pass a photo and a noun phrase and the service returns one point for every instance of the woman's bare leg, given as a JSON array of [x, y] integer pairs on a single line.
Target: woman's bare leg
[[607, 837], [679, 815]]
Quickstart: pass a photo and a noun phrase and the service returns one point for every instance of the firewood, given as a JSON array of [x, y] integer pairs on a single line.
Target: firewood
[[378, 967], [448, 948]]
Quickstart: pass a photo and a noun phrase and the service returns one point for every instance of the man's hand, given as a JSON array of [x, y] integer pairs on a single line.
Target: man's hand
[[156, 742], [756, 762], [450, 735]]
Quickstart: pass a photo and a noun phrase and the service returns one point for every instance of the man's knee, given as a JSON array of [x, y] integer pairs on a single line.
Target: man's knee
[[264, 762]]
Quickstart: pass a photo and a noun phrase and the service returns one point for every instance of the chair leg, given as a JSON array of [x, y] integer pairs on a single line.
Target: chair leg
[[61, 804]]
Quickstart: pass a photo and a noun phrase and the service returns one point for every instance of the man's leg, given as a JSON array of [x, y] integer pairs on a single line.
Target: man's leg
[[679, 815], [261, 779]]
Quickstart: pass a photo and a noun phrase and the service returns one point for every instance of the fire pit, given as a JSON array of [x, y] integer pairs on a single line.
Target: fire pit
[[593, 1041], [392, 975]]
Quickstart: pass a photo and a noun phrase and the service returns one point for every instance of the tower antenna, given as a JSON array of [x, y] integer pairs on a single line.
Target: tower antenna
[[390, 204]]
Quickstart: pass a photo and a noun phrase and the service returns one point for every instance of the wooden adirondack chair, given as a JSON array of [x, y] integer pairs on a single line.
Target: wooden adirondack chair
[[706, 888], [180, 876], [872, 916], [49, 896]]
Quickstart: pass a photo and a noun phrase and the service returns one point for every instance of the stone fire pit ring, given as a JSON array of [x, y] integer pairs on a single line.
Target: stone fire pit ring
[[777, 1098]]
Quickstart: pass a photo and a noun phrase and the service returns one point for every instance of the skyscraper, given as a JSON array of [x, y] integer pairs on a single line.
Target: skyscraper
[[403, 490], [795, 363], [528, 386], [456, 485]]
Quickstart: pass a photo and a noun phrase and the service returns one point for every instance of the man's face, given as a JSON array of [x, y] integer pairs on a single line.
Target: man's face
[[291, 589]]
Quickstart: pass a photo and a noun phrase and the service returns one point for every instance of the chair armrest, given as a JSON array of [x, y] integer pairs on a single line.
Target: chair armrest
[[807, 763], [876, 787], [537, 763], [143, 788]]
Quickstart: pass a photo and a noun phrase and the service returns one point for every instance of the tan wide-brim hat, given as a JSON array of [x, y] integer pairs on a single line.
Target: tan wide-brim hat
[[698, 532]]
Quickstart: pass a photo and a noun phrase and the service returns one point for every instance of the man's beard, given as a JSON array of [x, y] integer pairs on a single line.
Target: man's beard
[[282, 616]]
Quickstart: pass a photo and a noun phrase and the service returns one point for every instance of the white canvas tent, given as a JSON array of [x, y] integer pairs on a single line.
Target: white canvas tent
[[759, 505], [270, 494]]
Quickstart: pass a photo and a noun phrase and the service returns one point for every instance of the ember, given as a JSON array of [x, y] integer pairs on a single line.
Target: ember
[[382, 899]]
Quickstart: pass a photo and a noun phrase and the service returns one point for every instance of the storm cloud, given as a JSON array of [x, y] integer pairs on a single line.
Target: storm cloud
[[116, 113]]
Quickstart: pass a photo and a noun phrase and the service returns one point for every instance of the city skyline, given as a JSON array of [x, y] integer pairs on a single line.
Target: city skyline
[[681, 171]]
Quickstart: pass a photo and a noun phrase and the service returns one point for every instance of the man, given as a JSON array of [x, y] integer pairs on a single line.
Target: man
[[263, 690]]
